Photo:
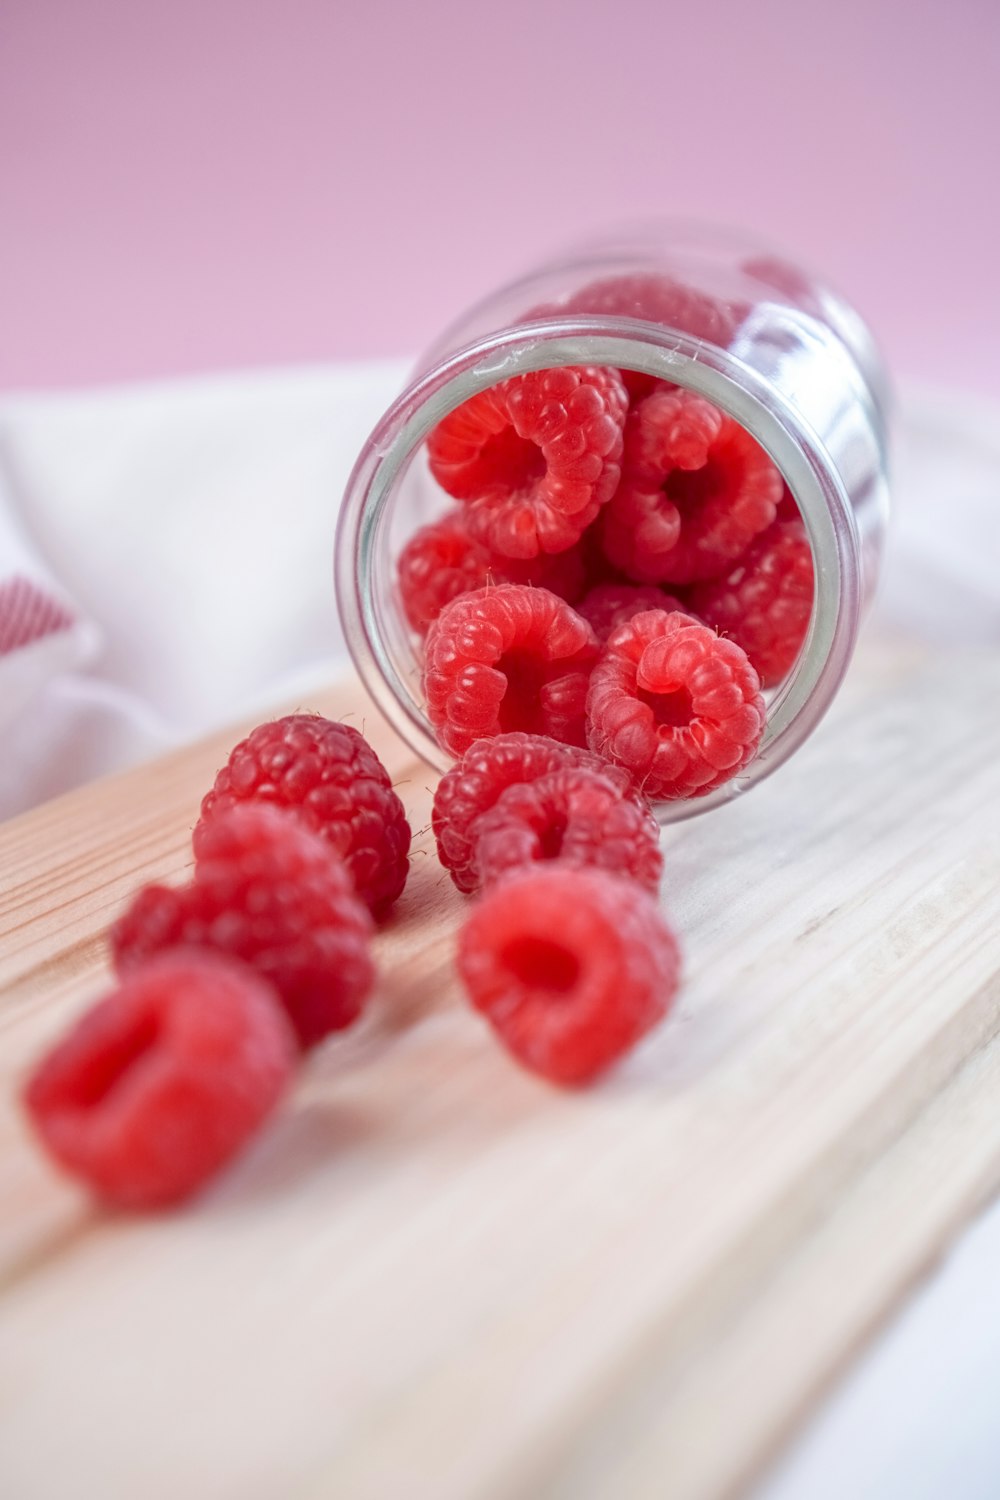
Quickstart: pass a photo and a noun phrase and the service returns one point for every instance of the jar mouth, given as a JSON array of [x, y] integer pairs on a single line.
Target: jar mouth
[[372, 628]]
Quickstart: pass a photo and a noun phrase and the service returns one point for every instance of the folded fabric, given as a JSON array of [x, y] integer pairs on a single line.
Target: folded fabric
[[170, 548]]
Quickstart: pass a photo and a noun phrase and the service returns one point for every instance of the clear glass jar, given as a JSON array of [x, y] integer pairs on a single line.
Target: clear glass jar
[[766, 342]]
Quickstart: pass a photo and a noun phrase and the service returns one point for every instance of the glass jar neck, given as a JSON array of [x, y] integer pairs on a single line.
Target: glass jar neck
[[794, 390]]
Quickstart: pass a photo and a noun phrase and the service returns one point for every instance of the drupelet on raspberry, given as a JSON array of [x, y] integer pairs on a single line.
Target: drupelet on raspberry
[[489, 766], [161, 1083], [329, 776], [678, 706], [507, 658], [442, 560], [575, 815], [270, 892], [571, 967], [533, 457], [696, 489]]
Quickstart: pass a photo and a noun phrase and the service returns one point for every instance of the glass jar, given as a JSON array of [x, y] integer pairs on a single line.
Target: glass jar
[[767, 343]]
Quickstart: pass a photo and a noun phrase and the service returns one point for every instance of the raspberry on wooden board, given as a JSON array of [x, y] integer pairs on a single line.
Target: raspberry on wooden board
[[507, 658], [571, 968], [160, 1084], [329, 776], [485, 771], [534, 457], [575, 815], [696, 489], [267, 891], [675, 704]]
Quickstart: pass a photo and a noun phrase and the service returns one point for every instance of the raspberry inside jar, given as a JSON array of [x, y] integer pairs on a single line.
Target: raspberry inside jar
[[658, 430]]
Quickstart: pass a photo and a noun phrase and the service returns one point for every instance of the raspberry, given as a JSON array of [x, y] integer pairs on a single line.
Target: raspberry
[[331, 778], [570, 967], [659, 299], [608, 605], [574, 815], [696, 489], [505, 658], [271, 893], [161, 1083], [765, 603], [441, 561], [779, 276], [664, 300], [787, 508], [485, 771], [535, 457], [675, 704]]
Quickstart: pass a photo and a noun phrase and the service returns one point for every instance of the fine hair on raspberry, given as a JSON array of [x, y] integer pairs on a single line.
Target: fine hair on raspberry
[[765, 602], [329, 777], [442, 560], [696, 489], [507, 658], [534, 457], [271, 893], [678, 706], [571, 967], [487, 768], [161, 1083], [575, 815]]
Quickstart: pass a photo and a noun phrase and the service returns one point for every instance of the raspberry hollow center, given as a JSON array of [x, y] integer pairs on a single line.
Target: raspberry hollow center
[[550, 841], [515, 462], [540, 963], [670, 710], [690, 489], [105, 1069], [521, 705]]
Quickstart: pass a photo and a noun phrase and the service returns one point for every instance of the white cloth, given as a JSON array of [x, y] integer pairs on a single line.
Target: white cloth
[[184, 532], [187, 527]]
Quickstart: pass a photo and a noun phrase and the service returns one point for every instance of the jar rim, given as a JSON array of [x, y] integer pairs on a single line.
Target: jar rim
[[627, 343]]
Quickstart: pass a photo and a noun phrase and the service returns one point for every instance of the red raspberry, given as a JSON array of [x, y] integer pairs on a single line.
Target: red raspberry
[[765, 603], [661, 299], [271, 893], [507, 658], [696, 489], [787, 508], [535, 456], [485, 771], [608, 605], [570, 967], [789, 281], [573, 815], [160, 1084], [675, 704], [331, 778], [441, 561]]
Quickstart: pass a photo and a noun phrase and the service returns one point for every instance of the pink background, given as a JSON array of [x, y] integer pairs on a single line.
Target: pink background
[[212, 183]]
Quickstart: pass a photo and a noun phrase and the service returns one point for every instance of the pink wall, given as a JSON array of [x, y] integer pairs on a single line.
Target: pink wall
[[218, 182]]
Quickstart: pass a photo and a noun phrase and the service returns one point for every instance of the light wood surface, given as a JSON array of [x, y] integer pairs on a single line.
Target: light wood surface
[[437, 1277]]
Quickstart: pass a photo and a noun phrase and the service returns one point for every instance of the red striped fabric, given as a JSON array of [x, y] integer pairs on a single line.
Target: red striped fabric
[[28, 613]]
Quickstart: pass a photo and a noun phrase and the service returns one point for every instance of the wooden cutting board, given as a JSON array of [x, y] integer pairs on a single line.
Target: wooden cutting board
[[437, 1277]]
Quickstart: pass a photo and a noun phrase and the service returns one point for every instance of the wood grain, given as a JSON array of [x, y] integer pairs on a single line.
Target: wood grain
[[435, 1276]]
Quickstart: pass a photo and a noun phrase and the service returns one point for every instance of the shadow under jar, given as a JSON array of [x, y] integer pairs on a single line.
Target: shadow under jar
[[766, 343]]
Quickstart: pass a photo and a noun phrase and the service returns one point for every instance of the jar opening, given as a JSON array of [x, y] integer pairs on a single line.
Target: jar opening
[[384, 650]]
